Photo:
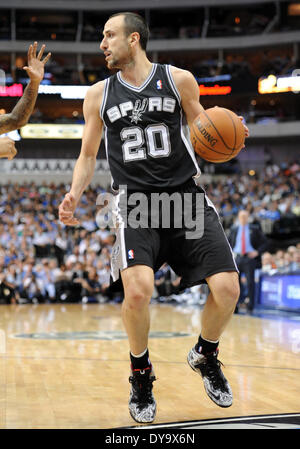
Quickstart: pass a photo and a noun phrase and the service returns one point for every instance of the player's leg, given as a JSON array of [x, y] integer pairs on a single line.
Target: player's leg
[[203, 358], [138, 283], [220, 304], [209, 258]]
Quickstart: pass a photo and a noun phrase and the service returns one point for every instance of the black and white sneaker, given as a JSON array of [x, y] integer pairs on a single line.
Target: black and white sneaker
[[142, 405], [215, 383]]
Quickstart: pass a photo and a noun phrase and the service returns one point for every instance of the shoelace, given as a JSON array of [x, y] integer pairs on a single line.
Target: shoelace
[[213, 371], [142, 387]]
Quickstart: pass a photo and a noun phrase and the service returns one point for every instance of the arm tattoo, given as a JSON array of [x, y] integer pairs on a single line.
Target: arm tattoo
[[19, 116]]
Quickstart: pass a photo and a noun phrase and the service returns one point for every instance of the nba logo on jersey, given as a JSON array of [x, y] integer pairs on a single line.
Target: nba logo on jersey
[[130, 254], [159, 84]]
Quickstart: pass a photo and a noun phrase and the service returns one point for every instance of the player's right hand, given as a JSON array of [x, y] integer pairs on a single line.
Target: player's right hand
[[35, 67], [66, 211], [7, 148]]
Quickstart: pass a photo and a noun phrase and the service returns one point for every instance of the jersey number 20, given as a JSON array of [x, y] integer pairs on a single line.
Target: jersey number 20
[[154, 140]]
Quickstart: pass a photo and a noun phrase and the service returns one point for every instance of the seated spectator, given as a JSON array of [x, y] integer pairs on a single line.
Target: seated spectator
[[60, 247], [90, 286], [65, 289], [32, 289], [287, 263], [267, 263], [78, 270], [279, 261], [47, 276], [292, 249], [8, 289], [41, 242], [296, 207], [103, 271], [295, 263], [75, 256]]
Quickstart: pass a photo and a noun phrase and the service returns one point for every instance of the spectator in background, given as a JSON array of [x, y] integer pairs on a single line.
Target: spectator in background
[[32, 288], [295, 263], [267, 262], [90, 286], [248, 243], [103, 272], [65, 289], [279, 262], [60, 248], [8, 286], [296, 207], [41, 242]]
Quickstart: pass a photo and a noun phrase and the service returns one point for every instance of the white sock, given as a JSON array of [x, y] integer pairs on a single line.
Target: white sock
[[139, 355]]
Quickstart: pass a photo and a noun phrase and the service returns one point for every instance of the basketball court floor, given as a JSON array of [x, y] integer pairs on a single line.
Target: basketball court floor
[[65, 366]]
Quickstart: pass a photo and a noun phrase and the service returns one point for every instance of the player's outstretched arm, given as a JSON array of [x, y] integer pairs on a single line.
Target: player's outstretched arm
[[23, 109], [85, 164]]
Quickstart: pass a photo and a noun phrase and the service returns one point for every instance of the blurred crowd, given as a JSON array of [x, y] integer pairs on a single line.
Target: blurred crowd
[[271, 196], [282, 261], [41, 260]]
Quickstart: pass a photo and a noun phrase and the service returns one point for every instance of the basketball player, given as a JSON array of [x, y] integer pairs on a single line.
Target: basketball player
[[20, 114], [142, 109]]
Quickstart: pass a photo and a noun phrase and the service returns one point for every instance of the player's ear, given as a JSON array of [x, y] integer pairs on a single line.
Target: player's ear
[[134, 38]]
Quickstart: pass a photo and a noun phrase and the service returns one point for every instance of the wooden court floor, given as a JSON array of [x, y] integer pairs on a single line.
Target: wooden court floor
[[66, 366]]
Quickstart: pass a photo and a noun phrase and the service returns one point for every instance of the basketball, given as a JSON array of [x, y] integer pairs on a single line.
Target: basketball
[[217, 135]]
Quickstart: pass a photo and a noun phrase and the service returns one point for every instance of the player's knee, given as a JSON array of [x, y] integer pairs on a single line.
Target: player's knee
[[137, 296], [230, 294], [227, 294], [235, 293], [228, 300]]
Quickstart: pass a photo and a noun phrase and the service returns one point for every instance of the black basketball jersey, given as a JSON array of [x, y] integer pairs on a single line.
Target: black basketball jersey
[[146, 135]]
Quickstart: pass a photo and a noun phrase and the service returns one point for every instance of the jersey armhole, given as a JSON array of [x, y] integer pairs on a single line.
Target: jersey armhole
[[172, 83], [104, 99]]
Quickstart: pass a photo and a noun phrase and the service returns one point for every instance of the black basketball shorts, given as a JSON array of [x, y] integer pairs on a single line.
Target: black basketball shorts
[[162, 237]]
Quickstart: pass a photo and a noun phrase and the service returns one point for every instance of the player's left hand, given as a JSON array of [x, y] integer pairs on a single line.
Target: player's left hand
[[35, 67], [66, 211], [247, 133]]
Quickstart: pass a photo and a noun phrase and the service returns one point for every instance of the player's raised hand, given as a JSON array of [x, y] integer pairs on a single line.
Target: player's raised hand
[[7, 148], [35, 67], [66, 211]]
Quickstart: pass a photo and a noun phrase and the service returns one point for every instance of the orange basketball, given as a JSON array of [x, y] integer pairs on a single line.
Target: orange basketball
[[217, 135]]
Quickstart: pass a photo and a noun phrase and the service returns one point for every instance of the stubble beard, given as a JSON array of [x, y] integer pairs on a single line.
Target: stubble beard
[[120, 63]]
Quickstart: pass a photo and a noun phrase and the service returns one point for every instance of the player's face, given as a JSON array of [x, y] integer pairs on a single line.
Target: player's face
[[115, 44]]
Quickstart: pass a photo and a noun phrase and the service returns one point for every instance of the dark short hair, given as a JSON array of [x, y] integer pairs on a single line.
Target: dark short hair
[[135, 23]]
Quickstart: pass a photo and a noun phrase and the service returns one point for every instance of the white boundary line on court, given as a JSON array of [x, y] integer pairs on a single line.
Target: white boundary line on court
[[216, 421]]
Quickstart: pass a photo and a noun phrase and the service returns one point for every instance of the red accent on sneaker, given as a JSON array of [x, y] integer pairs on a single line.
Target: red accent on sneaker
[[141, 369]]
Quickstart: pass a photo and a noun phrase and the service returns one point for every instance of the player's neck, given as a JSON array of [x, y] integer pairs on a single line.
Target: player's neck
[[137, 71]]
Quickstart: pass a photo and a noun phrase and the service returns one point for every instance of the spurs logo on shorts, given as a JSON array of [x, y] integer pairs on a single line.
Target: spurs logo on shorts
[[115, 252]]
